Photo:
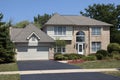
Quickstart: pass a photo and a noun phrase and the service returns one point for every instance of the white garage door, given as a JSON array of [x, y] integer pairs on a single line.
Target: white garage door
[[32, 53]]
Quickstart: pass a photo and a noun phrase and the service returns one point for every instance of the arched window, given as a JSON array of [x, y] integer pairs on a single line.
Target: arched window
[[80, 36]]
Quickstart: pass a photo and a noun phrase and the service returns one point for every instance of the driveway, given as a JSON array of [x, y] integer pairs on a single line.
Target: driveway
[[43, 65], [53, 65]]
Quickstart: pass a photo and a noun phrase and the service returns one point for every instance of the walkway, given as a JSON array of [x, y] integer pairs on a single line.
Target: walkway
[[58, 71]]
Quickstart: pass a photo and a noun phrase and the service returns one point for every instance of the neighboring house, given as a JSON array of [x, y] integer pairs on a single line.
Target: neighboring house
[[31, 43], [83, 35]]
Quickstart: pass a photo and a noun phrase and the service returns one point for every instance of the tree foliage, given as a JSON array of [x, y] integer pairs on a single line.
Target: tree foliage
[[60, 43], [22, 24], [6, 46], [40, 20], [107, 13]]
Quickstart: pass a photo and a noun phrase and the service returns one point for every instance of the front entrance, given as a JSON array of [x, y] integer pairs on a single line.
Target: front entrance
[[80, 48]]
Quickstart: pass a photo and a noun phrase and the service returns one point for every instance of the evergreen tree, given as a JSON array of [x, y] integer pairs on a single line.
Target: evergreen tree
[[6, 46]]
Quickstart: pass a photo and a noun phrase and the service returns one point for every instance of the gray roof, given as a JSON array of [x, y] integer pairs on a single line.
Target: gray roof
[[21, 34], [57, 19]]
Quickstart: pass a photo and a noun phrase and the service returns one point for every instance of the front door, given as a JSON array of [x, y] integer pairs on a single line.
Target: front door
[[80, 48]]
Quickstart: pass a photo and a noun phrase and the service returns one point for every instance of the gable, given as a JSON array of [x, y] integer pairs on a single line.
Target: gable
[[33, 34], [27, 32]]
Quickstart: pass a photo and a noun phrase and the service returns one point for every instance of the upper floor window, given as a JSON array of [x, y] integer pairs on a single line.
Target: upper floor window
[[80, 36], [96, 30], [60, 30]]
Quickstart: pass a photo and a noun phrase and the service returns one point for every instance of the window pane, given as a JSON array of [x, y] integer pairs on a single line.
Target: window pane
[[64, 30], [59, 30], [55, 30], [96, 46], [59, 50], [63, 50], [55, 50], [96, 30], [80, 39]]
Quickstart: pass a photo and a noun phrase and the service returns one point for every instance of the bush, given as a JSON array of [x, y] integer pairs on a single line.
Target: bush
[[6, 56], [101, 54], [89, 58], [73, 56], [113, 47], [115, 55], [58, 56]]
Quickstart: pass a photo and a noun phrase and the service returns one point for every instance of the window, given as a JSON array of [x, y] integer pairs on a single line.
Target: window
[[96, 30], [59, 49], [80, 36], [96, 46], [60, 30], [33, 38]]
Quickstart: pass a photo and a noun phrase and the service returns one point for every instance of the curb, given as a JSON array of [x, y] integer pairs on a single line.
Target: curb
[[57, 71]]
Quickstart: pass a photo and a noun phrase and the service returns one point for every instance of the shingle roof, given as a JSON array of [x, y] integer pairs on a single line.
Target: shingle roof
[[57, 19], [20, 35]]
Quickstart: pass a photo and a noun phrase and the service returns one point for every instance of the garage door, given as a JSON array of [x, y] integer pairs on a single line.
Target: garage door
[[32, 53]]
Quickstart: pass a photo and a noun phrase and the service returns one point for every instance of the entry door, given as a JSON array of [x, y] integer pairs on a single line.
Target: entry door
[[80, 48]]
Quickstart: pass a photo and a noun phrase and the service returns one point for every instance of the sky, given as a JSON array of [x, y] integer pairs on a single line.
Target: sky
[[19, 10]]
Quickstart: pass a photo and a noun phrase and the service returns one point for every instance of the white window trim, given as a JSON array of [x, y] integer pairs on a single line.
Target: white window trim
[[32, 34]]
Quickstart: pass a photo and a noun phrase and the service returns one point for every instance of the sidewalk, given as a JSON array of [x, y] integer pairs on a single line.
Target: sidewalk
[[57, 71]]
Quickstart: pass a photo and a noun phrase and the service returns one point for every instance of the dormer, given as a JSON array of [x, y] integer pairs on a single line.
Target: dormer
[[33, 39]]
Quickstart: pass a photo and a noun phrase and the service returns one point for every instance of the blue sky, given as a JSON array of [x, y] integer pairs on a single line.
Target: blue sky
[[18, 10]]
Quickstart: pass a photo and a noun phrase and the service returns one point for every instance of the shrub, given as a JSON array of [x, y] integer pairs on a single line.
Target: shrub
[[101, 54], [115, 55], [6, 56], [113, 47], [58, 56], [73, 56], [89, 58]]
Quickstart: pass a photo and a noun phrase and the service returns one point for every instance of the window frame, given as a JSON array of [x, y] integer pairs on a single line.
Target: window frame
[[96, 31], [80, 35], [62, 49], [59, 30], [96, 46]]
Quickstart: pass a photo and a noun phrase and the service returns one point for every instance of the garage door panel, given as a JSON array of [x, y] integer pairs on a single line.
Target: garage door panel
[[32, 53]]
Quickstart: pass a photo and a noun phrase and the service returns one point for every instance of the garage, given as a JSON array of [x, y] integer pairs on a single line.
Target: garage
[[32, 53]]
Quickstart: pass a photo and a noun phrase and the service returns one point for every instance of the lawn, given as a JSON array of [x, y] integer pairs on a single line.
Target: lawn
[[99, 64], [8, 67], [10, 77], [114, 73]]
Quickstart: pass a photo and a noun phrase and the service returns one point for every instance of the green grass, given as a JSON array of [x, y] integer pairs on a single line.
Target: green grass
[[8, 67], [10, 77], [100, 64], [114, 73]]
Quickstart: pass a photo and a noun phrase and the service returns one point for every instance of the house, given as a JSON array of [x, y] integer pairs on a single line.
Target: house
[[31, 43], [82, 35]]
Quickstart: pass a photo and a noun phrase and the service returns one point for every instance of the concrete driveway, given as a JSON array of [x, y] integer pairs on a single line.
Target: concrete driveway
[[53, 65]]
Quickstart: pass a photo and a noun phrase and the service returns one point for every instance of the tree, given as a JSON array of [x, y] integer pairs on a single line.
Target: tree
[[6, 46], [107, 13], [40, 20], [22, 24]]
